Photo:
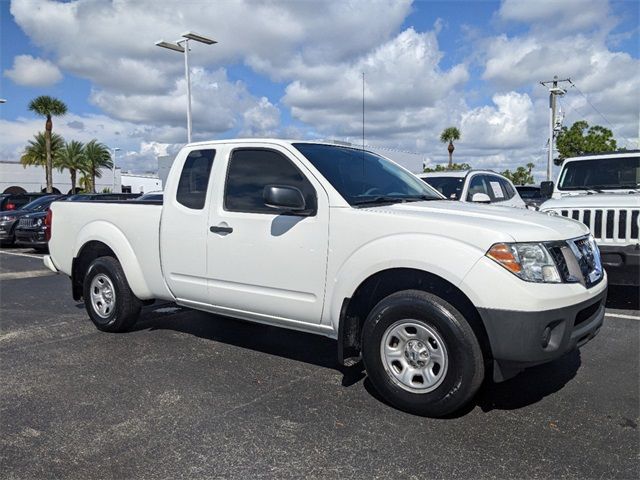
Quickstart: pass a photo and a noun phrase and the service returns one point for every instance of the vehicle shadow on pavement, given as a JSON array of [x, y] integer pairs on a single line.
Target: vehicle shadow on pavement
[[530, 386], [527, 388], [280, 342]]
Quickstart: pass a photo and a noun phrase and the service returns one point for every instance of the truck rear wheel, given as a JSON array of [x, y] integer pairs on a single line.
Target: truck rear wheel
[[421, 354], [111, 304]]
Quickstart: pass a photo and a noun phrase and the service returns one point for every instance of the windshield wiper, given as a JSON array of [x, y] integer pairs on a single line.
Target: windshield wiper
[[378, 200], [421, 198], [382, 199]]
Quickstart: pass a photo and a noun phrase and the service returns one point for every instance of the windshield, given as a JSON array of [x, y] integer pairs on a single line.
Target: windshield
[[610, 173], [363, 177], [39, 203], [450, 187]]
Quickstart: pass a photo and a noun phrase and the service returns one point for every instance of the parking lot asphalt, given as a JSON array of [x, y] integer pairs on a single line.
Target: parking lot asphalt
[[188, 394]]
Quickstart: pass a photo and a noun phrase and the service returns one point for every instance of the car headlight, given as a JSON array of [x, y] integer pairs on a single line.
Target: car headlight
[[529, 261], [553, 213], [39, 222], [7, 218]]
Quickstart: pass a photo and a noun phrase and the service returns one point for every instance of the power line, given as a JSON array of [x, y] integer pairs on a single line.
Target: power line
[[573, 85]]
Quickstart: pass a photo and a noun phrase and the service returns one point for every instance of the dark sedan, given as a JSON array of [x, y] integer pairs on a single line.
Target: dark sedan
[[9, 218]]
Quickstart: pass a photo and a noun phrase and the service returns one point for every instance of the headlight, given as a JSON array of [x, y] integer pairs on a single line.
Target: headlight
[[529, 261], [39, 222], [553, 213], [7, 218]]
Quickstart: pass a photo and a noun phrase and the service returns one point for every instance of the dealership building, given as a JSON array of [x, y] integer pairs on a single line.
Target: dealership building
[[14, 178]]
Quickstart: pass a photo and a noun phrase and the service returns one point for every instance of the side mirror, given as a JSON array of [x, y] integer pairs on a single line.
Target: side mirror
[[480, 198], [283, 197], [546, 189]]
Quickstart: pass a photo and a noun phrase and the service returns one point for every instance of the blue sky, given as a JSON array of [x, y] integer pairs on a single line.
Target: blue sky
[[292, 70]]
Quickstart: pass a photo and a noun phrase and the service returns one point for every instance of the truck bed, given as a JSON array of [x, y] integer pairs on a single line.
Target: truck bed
[[133, 227]]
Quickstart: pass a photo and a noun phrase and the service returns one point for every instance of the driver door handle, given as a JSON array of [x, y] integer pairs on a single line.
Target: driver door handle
[[220, 229]]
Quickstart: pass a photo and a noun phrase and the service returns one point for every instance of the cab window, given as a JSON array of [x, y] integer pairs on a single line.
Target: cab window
[[250, 170], [194, 179]]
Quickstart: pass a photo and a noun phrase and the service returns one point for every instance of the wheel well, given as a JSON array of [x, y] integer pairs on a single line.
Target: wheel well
[[382, 284], [87, 254]]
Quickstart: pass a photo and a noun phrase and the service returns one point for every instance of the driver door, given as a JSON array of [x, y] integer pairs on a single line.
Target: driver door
[[264, 262]]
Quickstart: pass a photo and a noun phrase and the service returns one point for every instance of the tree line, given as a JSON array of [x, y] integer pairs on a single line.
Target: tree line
[[49, 150]]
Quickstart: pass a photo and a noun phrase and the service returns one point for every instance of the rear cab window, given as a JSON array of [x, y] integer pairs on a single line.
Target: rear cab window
[[194, 179]]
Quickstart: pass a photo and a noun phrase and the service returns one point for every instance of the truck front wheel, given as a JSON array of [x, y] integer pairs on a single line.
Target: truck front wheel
[[111, 304], [421, 354]]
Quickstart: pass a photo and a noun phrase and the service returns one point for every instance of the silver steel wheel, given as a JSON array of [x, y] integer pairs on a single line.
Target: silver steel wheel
[[103, 295], [414, 356]]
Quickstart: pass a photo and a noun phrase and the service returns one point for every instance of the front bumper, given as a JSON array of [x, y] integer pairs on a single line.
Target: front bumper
[[6, 230], [30, 238], [622, 264], [523, 339]]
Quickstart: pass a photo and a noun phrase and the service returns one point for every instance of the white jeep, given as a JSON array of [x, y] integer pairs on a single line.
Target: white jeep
[[603, 192]]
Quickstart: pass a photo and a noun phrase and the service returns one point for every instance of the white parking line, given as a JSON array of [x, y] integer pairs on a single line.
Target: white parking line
[[30, 255], [620, 315], [28, 274]]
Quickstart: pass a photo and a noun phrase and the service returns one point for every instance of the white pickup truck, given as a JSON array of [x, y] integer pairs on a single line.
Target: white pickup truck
[[341, 242]]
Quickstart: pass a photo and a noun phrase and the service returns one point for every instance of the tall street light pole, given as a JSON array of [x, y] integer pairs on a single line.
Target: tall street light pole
[[113, 185], [182, 46]]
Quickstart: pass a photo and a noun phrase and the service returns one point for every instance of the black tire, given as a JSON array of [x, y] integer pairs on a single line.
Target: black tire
[[126, 306], [465, 366]]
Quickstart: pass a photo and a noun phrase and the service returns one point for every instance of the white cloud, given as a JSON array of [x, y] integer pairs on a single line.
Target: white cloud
[[569, 39], [316, 52], [404, 86], [565, 15], [33, 72], [504, 126], [262, 120]]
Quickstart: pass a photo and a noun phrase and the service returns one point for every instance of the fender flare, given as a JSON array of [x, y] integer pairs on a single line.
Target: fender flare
[[116, 240], [374, 257]]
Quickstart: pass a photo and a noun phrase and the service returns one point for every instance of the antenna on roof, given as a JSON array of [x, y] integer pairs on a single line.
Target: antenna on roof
[[362, 110]]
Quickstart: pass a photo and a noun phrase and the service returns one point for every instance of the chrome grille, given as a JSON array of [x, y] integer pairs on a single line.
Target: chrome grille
[[608, 225], [588, 257], [578, 261], [26, 222]]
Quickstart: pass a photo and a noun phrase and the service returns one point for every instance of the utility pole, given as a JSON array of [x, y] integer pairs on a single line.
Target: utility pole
[[554, 91]]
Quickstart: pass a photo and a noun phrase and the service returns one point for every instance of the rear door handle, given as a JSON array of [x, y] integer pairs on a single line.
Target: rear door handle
[[220, 229]]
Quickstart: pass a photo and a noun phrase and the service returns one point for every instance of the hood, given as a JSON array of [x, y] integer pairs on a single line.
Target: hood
[[467, 220], [610, 200], [36, 214], [15, 213]]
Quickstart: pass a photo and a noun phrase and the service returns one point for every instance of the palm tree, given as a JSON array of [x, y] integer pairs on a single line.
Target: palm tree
[[448, 135], [85, 182], [35, 153], [97, 156], [71, 157], [530, 166], [48, 107]]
